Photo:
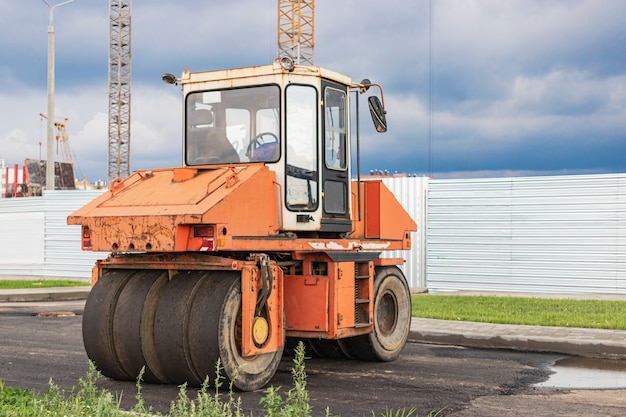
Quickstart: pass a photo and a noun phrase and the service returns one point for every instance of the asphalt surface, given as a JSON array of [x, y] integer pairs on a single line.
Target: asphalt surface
[[594, 343]]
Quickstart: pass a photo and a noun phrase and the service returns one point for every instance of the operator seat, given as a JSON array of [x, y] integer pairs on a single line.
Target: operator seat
[[207, 144]]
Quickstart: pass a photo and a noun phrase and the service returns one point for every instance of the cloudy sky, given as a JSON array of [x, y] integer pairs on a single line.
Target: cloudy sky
[[473, 88]]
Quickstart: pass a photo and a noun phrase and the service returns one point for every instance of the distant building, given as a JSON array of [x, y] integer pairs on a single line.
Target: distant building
[[11, 181], [27, 181], [384, 173]]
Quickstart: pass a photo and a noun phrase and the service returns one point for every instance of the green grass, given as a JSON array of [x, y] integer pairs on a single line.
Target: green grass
[[14, 284], [597, 314]]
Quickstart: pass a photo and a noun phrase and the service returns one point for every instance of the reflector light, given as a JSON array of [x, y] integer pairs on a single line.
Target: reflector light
[[207, 245], [86, 240], [202, 231]]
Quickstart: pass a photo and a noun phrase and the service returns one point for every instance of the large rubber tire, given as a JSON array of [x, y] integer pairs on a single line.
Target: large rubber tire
[[198, 322], [128, 339], [113, 319], [171, 328], [148, 345], [392, 319], [98, 317], [251, 373]]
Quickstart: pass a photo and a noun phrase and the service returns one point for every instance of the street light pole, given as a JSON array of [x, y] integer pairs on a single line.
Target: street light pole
[[50, 136]]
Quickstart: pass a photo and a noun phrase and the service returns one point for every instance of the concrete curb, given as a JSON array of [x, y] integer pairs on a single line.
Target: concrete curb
[[594, 343], [44, 294]]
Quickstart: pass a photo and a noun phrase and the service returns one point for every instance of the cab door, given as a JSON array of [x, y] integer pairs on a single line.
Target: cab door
[[335, 156]]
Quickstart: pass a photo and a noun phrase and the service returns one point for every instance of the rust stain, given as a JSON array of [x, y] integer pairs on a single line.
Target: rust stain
[[56, 314]]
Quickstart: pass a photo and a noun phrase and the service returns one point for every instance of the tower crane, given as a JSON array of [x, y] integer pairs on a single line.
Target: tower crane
[[63, 168], [63, 140], [296, 25], [119, 89]]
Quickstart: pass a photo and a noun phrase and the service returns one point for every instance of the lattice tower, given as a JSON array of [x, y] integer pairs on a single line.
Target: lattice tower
[[296, 30], [119, 89]]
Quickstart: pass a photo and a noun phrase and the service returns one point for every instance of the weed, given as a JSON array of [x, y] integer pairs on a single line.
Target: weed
[[206, 404], [297, 403], [406, 413], [399, 413], [91, 401], [14, 398]]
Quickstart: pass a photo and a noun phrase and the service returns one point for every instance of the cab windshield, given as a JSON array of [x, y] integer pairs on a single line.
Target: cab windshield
[[233, 126]]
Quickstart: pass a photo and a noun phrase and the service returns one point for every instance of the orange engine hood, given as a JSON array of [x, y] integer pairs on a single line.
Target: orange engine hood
[[154, 210]]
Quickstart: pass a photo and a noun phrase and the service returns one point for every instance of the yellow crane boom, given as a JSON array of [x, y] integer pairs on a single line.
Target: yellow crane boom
[[62, 138], [296, 34]]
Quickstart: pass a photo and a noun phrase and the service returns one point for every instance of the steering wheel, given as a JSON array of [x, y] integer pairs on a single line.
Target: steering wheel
[[258, 141]]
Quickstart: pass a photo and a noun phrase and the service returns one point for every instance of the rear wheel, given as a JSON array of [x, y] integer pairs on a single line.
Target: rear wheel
[[171, 329], [392, 319], [114, 320], [251, 372], [130, 311], [176, 328], [98, 316], [213, 332]]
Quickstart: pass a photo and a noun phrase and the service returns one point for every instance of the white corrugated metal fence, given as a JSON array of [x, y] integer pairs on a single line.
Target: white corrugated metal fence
[[562, 234], [36, 239], [411, 193]]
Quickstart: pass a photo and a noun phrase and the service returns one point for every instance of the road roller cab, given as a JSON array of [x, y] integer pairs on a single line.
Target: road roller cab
[[261, 238], [293, 119]]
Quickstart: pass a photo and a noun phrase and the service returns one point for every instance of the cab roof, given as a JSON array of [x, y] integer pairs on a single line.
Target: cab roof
[[259, 71]]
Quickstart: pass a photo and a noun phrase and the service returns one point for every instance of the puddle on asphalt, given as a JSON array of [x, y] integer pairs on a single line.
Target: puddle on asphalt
[[586, 373]]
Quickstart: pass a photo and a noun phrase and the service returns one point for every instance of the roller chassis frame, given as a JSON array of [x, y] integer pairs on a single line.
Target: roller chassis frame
[[285, 267]]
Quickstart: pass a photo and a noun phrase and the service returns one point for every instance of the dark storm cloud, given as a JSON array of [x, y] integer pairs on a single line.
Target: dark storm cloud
[[521, 87]]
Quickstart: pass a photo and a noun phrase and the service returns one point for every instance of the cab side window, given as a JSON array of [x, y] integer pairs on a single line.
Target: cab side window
[[335, 128], [301, 183]]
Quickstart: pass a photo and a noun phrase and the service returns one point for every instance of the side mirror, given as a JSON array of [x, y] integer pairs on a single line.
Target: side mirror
[[378, 114]]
